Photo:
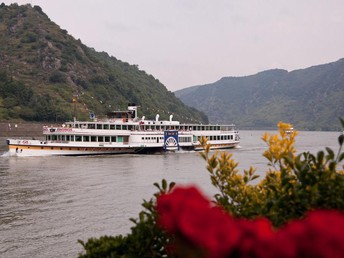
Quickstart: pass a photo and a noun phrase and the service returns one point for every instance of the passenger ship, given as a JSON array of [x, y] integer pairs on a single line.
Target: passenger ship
[[124, 132]]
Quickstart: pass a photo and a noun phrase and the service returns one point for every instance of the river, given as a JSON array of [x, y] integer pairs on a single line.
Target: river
[[48, 203]]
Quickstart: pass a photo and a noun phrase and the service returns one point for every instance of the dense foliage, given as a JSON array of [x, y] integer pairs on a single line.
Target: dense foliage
[[311, 98], [247, 218], [293, 185], [51, 68]]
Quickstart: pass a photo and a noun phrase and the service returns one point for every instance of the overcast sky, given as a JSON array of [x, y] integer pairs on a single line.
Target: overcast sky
[[184, 43]]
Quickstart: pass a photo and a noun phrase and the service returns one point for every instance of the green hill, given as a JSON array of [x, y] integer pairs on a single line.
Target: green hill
[[310, 99], [42, 68]]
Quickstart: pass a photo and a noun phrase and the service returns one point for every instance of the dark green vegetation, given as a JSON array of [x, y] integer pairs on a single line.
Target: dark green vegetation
[[42, 67], [310, 99]]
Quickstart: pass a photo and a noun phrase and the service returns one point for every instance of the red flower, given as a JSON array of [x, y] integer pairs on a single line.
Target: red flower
[[172, 206], [190, 215], [320, 234], [201, 227], [325, 233], [289, 238], [258, 238]]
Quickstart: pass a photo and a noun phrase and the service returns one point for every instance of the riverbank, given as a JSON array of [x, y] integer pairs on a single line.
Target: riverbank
[[21, 129]]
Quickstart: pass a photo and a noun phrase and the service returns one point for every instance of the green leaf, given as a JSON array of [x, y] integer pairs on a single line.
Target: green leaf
[[342, 122], [320, 157], [172, 184], [164, 184], [341, 157], [157, 186], [341, 139], [330, 152], [255, 177], [272, 187]]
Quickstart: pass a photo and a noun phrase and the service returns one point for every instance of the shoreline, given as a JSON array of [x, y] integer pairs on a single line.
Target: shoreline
[[22, 129]]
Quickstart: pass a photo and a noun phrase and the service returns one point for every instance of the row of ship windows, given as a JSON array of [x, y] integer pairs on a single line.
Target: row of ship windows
[[160, 139], [153, 127], [218, 137], [85, 138]]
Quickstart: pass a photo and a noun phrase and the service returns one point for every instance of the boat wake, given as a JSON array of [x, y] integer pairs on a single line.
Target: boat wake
[[6, 154]]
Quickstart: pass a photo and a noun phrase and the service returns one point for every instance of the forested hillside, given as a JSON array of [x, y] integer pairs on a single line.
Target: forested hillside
[[42, 68], [311, 99]]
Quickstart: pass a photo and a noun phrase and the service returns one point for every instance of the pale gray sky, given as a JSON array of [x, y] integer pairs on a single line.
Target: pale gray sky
[[184, 43]]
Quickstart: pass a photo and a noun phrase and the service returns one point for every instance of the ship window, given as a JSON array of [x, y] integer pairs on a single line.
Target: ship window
[[78, 138], [72, 138], [124, 127], [120, 139], [91, 126], [63, 137], [100, 138], [113, 138], [118, 127], [112, 127], [93, 138], [107, 138], [54, 137], [67, 137], [130, 127], [106, 127], [86, 138], [99, 126]]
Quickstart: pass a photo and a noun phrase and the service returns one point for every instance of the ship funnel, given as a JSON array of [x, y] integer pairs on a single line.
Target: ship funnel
[[157, 117], [171, 116], [132, 108]]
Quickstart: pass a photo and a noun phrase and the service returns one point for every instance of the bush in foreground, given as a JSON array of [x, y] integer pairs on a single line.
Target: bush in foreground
[[299, 203]]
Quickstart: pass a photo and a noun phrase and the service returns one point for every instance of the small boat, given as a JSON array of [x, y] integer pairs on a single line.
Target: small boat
[[289, 130], [124, 132]]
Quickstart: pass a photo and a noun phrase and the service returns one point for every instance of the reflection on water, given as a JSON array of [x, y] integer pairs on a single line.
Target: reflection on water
[[48, 203]]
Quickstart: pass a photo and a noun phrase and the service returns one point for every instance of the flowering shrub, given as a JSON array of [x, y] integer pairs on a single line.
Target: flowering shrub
[[204, 229], [293, 185], [294, 211]]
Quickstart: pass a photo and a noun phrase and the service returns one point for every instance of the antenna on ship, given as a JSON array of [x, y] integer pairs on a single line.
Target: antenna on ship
[[74, 106]]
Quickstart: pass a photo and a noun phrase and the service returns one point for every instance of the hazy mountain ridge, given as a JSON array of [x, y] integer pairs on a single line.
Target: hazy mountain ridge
[[42, 67], [311, 98]]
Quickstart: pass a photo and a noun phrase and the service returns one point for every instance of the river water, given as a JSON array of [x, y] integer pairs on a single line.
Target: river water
[[48, 203]]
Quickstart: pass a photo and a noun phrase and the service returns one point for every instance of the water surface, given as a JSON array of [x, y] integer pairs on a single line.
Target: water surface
[[48, 203]]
